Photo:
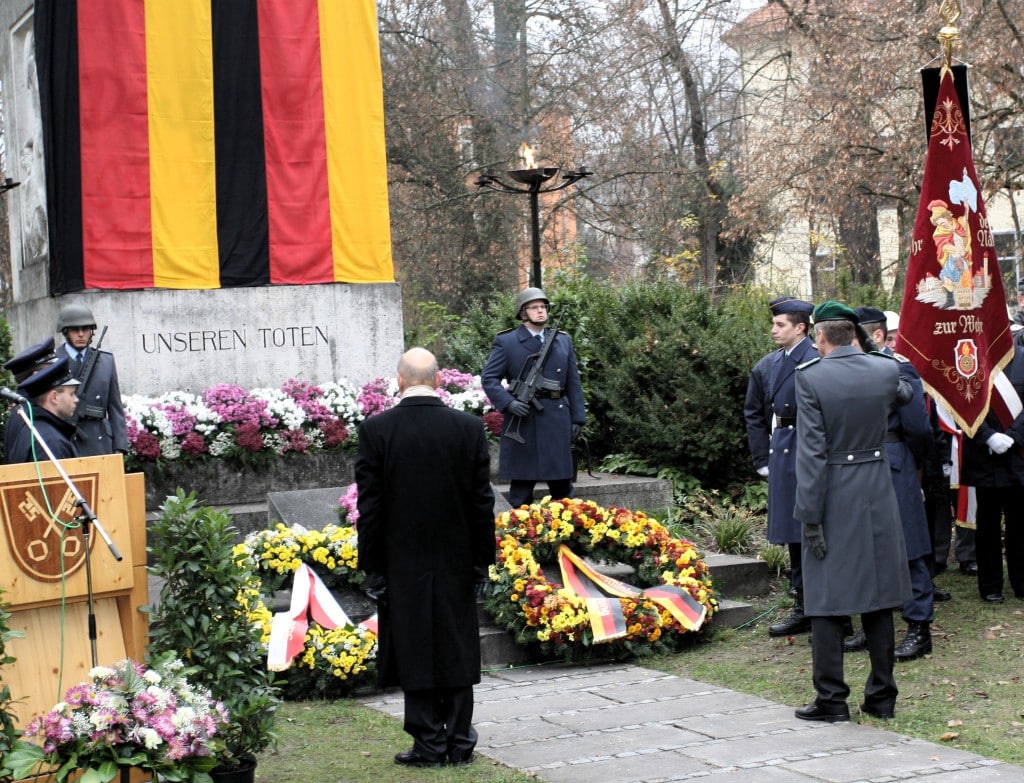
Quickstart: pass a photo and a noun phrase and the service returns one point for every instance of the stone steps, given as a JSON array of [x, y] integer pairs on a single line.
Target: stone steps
[[734, 577]]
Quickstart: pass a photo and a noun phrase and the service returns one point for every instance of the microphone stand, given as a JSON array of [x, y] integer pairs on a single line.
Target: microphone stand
[[87, 518]]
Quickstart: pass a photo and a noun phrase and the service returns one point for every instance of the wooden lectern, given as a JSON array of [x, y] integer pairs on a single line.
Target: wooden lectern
[[42, 567]]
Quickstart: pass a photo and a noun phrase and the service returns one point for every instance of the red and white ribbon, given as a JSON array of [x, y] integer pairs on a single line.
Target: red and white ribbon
[[310, 598]]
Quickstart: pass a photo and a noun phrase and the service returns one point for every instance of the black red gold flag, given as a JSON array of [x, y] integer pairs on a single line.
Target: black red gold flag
[[213, 143], [954, 326]]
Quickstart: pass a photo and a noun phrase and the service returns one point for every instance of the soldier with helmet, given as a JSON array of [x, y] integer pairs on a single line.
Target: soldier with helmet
[[541, 449], [99, 417]]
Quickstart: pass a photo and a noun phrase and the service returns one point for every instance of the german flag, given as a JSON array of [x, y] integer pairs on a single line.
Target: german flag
[[198, 144]]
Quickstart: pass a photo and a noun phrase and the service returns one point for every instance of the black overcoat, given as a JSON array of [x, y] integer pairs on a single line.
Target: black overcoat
[[982, 468], [426, 518]]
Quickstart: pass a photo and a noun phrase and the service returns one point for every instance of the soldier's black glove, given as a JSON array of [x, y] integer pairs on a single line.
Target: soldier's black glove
[[517, 408], [814, 539], [575, 432], [375, 587], [483, 581]]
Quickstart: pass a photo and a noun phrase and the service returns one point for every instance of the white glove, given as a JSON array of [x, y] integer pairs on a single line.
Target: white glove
[[999, 443], [763, 472], [947, 470]]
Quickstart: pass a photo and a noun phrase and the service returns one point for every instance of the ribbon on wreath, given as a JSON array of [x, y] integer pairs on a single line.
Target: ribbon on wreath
[[310, 598], [601, 594]]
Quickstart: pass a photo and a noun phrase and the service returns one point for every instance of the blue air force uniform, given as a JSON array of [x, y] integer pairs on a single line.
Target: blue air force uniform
[[546, 454]]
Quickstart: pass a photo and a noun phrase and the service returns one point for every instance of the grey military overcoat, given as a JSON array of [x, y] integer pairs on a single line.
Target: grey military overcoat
[[844, 484]]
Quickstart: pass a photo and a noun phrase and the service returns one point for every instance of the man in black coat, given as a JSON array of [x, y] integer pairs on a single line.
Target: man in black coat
[[993, 463], [51, 400], [426, 539]]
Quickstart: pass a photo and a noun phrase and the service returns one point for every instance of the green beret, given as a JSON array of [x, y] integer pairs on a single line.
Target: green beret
[[834, 311]]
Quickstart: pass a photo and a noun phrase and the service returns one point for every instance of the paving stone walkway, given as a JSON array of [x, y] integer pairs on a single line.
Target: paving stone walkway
[[620, 723]]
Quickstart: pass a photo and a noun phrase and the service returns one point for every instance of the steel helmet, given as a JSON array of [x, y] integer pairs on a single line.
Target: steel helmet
[[75, 315], [528, 295]]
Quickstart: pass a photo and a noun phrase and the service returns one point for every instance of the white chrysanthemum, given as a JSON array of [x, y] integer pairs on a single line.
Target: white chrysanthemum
[[281, 407], [184, 717], [163, 698], [169, 448], [341, 399], [152, 677], [222, 443], [273, 442], [101, 672], [150, 738]]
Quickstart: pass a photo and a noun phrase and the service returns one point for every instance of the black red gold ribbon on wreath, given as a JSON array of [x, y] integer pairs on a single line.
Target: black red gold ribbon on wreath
[[601, 594]]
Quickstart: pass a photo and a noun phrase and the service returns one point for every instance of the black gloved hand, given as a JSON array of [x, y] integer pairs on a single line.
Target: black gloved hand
[[483, 582], [517, 408], [814, 539], [375, 587], [575, 432]]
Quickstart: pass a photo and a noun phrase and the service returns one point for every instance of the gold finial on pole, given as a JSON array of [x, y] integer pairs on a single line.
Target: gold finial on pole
[[949, 35]]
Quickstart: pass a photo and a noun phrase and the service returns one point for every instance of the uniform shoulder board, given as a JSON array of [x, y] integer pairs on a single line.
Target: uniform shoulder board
[[808, 363], [885, 355], [900, 358], [506, 331]]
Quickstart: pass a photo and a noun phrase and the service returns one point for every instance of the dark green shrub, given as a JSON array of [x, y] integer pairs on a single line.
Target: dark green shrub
[[8, 732], [199, 618]]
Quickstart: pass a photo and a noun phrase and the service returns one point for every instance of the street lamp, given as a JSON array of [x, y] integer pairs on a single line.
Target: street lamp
[[533, 178]]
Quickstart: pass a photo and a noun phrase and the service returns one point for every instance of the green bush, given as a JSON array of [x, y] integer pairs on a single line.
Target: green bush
[[199, 618], [8, 732]]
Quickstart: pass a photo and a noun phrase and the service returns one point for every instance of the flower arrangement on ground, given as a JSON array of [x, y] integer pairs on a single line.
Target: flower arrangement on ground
[[228, 422], [333, 662], [126, 715], [537, 609]]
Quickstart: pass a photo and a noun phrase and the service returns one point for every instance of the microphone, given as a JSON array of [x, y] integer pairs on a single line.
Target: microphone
[[10, 396]]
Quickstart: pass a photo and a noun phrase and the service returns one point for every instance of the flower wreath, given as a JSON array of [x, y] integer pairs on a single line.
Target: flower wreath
[[523, 600], [332, 662]]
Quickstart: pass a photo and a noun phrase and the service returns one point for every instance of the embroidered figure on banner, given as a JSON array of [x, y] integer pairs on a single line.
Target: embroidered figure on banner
[[957, 287]]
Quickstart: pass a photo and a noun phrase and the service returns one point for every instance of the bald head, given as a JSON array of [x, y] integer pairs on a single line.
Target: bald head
[[418, 367]]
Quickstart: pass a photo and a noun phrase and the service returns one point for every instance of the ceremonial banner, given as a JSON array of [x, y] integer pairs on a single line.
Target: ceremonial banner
[[198, 144], [602, 593], [953, 322]]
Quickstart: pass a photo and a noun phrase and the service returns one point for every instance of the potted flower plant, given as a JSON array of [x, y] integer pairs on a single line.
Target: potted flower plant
[[127, 715], [199, 617]]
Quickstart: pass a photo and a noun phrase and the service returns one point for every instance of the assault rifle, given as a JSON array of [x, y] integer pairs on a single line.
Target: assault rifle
[[525, 389], [83, 408]]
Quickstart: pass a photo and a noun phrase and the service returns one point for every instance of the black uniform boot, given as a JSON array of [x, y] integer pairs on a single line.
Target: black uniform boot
[[797, 622], [916, 643]]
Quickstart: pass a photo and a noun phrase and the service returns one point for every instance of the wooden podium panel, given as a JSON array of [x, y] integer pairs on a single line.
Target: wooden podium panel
[[48, 595]]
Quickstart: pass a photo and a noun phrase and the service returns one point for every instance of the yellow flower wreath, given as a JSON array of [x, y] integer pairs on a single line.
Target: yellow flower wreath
[[525, 601]]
